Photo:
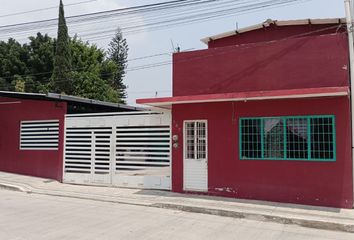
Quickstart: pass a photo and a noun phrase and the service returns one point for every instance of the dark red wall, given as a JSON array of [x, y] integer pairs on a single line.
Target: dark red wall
[[308, 62], [41, 163], [313, 183], [274, 32]]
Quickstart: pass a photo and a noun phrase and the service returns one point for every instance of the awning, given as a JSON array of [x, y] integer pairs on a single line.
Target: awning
[[167, 102]]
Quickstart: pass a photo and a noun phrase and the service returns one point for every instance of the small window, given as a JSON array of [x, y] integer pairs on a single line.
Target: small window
[[195, 140], [288, 138], [273, 134], [297, 138], [39, 135], [251, 138]]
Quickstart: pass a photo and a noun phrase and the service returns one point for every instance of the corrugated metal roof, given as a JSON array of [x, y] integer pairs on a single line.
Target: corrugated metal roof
[[67, 98], [269, 22]]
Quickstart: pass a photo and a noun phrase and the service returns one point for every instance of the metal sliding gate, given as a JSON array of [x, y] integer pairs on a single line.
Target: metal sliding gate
[[130, 149]]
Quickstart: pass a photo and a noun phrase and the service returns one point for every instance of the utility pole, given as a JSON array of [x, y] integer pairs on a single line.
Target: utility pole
[[349, 16]]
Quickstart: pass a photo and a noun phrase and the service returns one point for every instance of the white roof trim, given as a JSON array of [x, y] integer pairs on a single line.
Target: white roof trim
[[278, 23]]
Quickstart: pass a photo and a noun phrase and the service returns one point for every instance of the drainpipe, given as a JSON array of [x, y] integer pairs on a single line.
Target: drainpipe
[[350, 28]]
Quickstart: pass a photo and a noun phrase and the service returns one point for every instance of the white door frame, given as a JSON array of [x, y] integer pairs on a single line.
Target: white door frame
[[205, 189]]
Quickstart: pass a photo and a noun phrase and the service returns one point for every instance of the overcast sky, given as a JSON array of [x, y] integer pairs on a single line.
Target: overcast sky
[[145, 83]]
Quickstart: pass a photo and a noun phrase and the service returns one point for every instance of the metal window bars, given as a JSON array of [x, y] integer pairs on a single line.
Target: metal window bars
[[288, 138]]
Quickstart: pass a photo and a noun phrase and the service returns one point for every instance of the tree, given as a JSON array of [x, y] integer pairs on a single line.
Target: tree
[[61, 78], [28, 68], [85, 57], [64, 65], [118, 53], [90, 85], [13, 59], [41, 54]]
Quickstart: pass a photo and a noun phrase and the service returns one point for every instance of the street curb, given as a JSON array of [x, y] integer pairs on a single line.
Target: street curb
[[324, 225], [12, 187]]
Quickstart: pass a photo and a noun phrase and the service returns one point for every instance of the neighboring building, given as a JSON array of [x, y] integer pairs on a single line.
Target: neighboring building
[[32, 130], [264, 113]]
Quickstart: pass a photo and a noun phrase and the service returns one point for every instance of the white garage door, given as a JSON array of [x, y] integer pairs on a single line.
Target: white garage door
[[121, 149]]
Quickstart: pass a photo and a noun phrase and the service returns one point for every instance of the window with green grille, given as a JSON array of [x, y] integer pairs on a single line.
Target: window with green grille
[[288, 138]]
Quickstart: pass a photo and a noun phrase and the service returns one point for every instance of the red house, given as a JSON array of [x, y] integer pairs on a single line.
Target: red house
[[264, 113], [32, 130]]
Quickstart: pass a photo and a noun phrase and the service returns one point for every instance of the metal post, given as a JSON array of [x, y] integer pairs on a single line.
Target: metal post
[[348, 12]]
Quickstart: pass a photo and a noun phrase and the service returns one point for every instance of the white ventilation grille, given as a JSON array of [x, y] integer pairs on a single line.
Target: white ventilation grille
[[39, 135], [142, 147]]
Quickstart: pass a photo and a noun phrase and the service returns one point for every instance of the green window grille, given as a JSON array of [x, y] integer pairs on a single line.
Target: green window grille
[[310, 138]]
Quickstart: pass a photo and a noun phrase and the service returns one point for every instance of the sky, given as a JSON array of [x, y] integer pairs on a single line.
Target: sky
[[157, 81]]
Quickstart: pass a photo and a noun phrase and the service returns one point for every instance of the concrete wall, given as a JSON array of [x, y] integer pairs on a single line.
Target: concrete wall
[[41, 163], [313, 183]]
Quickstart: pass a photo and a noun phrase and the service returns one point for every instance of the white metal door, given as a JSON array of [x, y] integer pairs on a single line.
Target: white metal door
[[102, 156], [195, 164], [88, 152]]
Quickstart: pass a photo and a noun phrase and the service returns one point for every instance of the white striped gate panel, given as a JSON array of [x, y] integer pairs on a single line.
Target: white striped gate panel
[[143, 151], [87, 151], [120, 149]]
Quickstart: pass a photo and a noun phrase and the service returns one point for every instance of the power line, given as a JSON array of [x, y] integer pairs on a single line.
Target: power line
[[121, 17], [227, 51], [44, 9], [96, 14], [187, 22], [150, 56], [78, 19], [173, 18]]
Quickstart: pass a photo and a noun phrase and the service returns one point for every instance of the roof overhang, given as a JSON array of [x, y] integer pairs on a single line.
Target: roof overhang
[[269, 22], [167, 102]]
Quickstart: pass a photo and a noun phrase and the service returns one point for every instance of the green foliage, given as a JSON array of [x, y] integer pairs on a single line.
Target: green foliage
[[40, 50], [13, 60], [86, 57], [31, 68], [61, 81], [90, 85], [118, 53], [19, 84]]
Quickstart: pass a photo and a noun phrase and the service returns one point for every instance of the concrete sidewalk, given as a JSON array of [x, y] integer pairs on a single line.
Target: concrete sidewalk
[[306, 216]]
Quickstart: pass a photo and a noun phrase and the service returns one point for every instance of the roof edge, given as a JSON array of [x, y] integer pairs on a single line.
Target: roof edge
[[66, 98], [166, 102], [269, 22]]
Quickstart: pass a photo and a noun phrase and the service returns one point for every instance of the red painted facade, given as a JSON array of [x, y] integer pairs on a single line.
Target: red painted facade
[[313, 183], [41, 163], [308, 62], [316, 61]]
